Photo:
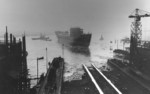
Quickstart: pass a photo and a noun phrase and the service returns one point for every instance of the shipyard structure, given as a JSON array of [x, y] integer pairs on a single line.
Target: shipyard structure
[[13, 65], [75, 38], [134, 61]]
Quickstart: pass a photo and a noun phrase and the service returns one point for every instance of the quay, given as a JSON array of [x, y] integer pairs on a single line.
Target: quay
[[52, 82], [140, 79]]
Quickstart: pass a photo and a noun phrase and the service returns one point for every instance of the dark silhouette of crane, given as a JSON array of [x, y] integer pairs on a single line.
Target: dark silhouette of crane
[[136, 36], [136, 27]]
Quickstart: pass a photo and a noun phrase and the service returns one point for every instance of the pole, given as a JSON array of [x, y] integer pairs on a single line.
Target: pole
[[46, 61], [37, 70], [123, 45], [40, 58], [6, 40], [63, 50], [117, 44]]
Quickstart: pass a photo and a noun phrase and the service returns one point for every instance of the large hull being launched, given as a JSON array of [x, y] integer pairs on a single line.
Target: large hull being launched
[[75, 38]]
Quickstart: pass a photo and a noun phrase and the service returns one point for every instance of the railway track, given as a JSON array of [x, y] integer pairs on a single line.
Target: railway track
[[95, 81], [115, 81], [100, 81], [126, 82]]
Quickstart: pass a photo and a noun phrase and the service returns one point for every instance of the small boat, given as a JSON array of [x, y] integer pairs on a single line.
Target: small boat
[[42, 37]]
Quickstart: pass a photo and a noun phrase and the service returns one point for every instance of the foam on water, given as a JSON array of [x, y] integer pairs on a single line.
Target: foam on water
[[99, 53]]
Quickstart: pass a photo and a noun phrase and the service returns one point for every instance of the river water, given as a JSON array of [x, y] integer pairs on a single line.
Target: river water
[[98, 53]]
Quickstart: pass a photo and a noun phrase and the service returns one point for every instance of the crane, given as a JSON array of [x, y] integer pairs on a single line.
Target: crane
[[136, 36], [136, 26]]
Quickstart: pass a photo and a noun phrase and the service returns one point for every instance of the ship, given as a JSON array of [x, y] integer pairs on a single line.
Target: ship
[[75, 38], [42, 37]]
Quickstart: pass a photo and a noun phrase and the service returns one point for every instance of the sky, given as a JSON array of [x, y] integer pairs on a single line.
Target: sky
[[107, 17]]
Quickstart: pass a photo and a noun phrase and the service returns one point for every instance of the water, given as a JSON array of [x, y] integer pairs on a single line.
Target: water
[[99, 52]]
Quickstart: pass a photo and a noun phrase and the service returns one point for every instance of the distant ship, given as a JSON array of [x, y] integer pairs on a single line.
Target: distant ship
[[74, 38], [42, 37], [101, 38]]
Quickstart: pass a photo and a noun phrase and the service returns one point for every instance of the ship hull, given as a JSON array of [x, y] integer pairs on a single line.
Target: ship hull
[[81, 41]]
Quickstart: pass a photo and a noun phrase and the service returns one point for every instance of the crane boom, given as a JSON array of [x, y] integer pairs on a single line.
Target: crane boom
[[133, 16]]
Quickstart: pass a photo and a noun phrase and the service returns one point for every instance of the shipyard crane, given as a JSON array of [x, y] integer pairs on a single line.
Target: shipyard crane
[[136, 26], [136, 36]]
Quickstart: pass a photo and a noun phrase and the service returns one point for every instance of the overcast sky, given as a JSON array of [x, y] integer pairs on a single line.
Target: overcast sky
[[107, 17]]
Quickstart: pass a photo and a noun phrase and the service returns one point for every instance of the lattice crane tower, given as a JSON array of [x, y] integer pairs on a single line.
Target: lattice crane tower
[[136, 26]]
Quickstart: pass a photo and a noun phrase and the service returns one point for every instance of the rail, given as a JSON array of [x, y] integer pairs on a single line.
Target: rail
[[117, 90], [140, 82], [93, 80]]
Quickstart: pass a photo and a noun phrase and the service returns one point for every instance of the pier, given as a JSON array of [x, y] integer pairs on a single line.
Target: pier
[[52, 82]]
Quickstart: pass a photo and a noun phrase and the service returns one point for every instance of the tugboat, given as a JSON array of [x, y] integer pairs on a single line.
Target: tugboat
[[42, 37]]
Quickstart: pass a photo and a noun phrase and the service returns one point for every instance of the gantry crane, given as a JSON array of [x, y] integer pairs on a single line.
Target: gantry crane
[[136, 27]]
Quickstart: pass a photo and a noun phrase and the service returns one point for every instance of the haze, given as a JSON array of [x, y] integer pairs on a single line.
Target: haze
[[107, 17]]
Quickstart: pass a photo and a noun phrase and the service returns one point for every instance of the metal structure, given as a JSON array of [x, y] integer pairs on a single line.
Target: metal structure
[[100, 81], [93, 80], [114, 87], [39, 58], [136, 26], [136, 36], [15, 58]]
